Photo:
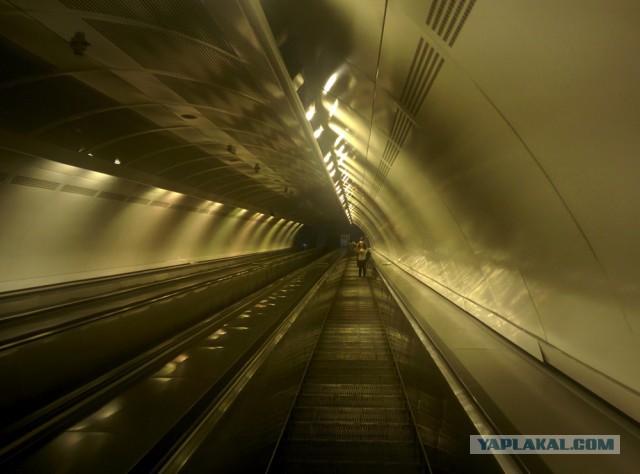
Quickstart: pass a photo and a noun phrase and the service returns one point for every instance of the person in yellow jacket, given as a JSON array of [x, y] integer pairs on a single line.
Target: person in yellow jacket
[[362, 257]]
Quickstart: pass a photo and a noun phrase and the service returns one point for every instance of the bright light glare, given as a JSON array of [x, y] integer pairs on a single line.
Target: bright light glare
[[311, 111], [333, 173], [333, 108], [318, 132], [330, 166], [332, 80], [327, 157]]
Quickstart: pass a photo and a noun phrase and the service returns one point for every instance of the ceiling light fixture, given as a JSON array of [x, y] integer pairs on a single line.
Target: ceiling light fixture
[[311, 111], [333, 108], [332, 80]]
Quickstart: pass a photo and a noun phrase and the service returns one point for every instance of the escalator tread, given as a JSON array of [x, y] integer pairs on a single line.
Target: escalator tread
[[351, 413]]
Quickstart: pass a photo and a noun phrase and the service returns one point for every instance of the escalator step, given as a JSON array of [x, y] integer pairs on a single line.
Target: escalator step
[[353, 377], [351, 451], [359, 414], [339, 430], [320, 467], [351, 355], [352, 389], [351, 413], [341, 366], [349, 401]]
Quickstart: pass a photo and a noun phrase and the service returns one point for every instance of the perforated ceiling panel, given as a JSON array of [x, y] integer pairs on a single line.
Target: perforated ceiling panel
[[18, 62], [159, 89], [187, 17]]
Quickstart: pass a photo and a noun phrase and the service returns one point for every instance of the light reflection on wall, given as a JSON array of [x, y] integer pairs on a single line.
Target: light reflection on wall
[[280, 229], [293, 230], [247, 230], [181, 238], [259, 238], [70, 236]]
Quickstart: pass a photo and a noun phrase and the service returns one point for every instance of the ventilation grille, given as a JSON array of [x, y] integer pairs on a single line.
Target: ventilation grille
[[35, 183], [447, 17], [399, 132], [182, 207], [187, 17], [18, 63], [68, 188], [423, 72], [136, 200], [381, 177], [112, 196]]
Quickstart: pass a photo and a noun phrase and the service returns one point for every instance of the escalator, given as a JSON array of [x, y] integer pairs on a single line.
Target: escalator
[[319, 372], [351, 413]]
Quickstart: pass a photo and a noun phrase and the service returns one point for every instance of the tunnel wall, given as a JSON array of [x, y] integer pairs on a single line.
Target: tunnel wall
[[61, 223], [514, 194]]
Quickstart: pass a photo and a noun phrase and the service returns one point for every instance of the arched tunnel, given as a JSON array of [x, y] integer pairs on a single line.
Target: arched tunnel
[[485, 150]]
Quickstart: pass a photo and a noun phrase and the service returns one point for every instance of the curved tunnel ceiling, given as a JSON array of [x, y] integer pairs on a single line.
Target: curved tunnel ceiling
[[489, 148]]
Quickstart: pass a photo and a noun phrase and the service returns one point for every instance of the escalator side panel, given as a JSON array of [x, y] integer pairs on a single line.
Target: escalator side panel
[[245, 437], [442, 423]]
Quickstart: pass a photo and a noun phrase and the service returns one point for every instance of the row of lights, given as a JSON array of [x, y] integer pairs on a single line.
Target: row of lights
[[335, 158], [116, 161], [241, 211]]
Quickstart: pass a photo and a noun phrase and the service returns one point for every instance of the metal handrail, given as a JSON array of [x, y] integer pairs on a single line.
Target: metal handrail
[[478, 416], [422, 451], [304, 375], [191, 440]]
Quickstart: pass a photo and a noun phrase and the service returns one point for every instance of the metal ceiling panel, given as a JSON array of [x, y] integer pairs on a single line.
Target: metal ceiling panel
[[154, 77]]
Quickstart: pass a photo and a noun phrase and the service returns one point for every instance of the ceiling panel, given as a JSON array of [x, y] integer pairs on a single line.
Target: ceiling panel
[[157, 83]]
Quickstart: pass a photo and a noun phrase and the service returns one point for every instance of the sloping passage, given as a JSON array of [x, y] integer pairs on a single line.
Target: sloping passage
[[351, 414]]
